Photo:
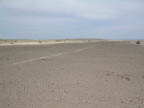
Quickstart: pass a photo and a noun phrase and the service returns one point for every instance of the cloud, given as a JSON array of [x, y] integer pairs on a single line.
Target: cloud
[[72, 17], [89, 10]]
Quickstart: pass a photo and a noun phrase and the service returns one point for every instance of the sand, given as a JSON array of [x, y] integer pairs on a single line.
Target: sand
[[82, 75], [44, 42]]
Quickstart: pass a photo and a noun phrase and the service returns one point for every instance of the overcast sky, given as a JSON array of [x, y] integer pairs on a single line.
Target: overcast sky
[[51, 19]]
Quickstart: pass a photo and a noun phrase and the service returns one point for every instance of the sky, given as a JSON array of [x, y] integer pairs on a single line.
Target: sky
[[65, 19]]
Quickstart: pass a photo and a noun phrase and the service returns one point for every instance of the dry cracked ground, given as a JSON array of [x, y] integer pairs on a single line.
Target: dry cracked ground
[[84, 75]]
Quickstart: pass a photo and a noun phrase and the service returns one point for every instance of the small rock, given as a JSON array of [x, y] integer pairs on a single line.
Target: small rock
[[108, 74], [128, 79], [52, 91], [66, 92], [77, 83]]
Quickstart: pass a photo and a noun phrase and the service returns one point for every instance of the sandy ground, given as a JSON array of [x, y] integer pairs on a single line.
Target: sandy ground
[[45, 42], [86, 75]]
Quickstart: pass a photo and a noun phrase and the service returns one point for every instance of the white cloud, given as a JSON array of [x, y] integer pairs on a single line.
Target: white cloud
[[69, 17], [89, 10]]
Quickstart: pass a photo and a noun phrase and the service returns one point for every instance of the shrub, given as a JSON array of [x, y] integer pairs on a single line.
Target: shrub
[[40, 41], [11, 43], [137, 42]]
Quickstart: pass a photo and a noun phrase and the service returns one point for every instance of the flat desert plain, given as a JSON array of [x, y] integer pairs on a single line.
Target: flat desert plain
[[75, 75]]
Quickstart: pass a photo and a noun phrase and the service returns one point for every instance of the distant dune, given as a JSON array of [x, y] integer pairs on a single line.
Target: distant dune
[[38, 42], [45, 42]]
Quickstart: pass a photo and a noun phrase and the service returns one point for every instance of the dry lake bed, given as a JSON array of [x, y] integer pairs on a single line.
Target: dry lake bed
[[72, 75]]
